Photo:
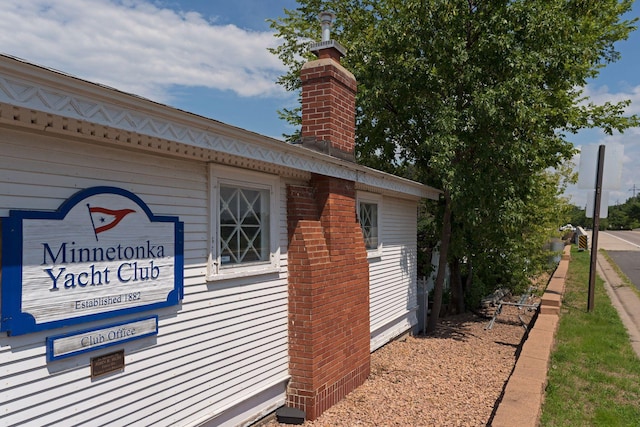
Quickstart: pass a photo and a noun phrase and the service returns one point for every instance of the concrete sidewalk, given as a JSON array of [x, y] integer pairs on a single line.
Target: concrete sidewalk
[[611, 242]]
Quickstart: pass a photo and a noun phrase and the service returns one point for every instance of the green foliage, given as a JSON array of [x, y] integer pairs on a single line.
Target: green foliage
[[577, 217], [473, 97], [625, 216], [620, 217], [479, 290], [427, 235], [594, 375]]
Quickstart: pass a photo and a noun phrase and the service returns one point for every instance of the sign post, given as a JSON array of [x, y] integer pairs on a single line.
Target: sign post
[[607, 176], [596, 228]]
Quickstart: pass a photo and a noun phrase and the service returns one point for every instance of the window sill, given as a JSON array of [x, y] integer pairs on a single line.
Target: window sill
[[374, 254]]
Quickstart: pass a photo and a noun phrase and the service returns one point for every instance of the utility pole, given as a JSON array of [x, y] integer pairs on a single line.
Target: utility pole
[[634, 189]]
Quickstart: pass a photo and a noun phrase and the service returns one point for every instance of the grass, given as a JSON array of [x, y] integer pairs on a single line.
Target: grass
[[594, 374]]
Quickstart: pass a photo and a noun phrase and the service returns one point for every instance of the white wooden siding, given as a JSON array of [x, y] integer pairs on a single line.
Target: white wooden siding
[[392, 276], [222, 353]]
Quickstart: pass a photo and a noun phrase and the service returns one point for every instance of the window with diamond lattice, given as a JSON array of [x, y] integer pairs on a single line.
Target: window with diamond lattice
[[369, 224], [244, 225], [245, 215]]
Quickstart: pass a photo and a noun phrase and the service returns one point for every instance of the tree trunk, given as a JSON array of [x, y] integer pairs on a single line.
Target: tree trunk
[[445, 238]]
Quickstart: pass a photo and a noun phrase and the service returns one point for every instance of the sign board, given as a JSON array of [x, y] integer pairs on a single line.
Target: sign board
[[77, 342], [103, 253], [591, 203], [612, 168]]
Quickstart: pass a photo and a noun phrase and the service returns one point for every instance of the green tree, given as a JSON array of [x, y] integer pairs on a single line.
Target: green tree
[[632, 208], [625, 216], [475, 97], [617, 218], [578, 217]]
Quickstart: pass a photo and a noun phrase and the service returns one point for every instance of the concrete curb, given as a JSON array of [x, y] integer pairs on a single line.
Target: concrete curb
[[524, 393]]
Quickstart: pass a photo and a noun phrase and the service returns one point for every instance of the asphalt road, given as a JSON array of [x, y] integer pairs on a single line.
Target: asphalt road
[[624, 249]]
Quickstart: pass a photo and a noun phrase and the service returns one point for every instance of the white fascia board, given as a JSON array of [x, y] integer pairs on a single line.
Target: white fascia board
[[37, 88]]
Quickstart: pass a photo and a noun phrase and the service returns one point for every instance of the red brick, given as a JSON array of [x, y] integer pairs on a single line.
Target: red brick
[[334, 320]]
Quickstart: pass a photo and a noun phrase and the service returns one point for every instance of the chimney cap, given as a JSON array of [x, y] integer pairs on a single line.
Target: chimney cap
[[326, 20]]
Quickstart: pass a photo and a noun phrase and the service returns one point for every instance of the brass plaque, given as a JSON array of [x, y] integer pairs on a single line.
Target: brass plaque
[[107, 363]]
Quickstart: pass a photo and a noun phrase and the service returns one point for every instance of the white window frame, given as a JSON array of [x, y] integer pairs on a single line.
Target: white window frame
[[374, 199], [234, 177]]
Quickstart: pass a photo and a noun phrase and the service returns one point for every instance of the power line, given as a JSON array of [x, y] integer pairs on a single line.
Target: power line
[[634, 189]]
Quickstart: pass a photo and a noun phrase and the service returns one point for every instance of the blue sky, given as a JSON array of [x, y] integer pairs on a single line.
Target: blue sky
[[209, 57]]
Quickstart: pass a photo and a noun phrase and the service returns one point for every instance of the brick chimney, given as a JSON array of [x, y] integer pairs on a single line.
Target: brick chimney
[[328, 271], [328, 99]]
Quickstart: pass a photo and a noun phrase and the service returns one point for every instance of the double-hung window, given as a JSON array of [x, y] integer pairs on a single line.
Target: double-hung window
[[244, 223], [369, 209]]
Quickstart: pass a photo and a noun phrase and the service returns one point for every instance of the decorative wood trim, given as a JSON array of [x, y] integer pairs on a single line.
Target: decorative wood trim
[[50, 101]]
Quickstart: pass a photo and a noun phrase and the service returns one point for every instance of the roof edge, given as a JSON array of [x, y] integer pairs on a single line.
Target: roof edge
[[41, 89]]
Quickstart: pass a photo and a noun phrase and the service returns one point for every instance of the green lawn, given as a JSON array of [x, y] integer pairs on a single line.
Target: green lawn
[[594, 375]]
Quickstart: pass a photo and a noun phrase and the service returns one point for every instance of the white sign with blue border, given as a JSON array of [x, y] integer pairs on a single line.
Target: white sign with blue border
[[103, 253]]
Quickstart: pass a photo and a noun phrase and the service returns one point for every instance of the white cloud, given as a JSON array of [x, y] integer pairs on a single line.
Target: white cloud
[[601, 94], [137, 47], [630, 140]]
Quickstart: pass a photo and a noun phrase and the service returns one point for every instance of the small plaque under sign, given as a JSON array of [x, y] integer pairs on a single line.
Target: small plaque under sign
[[107, 363]]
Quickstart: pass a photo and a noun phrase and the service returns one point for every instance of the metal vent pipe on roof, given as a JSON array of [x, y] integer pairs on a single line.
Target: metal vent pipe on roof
[[326, 19]]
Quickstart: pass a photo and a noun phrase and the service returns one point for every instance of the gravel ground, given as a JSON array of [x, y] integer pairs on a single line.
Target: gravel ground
[[454, 377]]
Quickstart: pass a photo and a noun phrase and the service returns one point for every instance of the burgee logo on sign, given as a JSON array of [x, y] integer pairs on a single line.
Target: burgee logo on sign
[[102, 214], [101, 254]]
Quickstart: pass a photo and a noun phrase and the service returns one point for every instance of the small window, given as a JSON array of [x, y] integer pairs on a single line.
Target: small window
[[369, 224], [244, 225], [243, 228], [369, 211]]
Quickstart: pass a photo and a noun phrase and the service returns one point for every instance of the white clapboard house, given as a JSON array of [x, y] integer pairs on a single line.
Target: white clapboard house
[[165, 269]]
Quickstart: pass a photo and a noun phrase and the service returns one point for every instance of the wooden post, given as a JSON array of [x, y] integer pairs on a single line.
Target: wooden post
[[596, 227]]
